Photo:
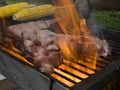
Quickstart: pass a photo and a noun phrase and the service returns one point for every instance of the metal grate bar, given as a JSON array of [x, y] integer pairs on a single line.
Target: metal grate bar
[[70, 73], [61, 79], [66, 76], [78, 67], [105, 61], [71, 70]]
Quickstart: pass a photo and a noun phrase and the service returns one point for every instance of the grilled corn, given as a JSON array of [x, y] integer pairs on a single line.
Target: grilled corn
[[34, 12], [9, 10]]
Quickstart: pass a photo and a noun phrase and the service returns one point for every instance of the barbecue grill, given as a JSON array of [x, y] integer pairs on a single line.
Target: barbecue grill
[[79, 75], [74, 75]]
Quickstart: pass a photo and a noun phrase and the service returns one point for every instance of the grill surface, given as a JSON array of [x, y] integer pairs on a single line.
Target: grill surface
[[76, 72], [111, 65]]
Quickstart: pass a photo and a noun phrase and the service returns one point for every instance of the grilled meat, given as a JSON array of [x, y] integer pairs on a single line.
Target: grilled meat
[[16, 30], [42, 48], [47, 48], [77, 47]]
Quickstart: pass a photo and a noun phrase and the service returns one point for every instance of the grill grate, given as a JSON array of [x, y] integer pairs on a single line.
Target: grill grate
[[69, 73], [76, 72]]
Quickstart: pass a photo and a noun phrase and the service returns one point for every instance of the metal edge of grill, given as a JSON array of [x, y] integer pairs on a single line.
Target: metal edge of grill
[[107, 74], [100, 78]]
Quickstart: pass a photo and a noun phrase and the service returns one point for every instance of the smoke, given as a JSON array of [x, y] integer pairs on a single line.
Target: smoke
[[93, 27], [84, 9]]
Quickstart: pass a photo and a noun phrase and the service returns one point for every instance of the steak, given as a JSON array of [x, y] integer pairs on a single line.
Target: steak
[[16, 30], [46, 49], [40, 45]]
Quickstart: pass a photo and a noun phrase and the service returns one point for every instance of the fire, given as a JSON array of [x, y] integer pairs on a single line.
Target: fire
[[70, 19], [8, 43], [75, 25], [4, 23], [70, 22]]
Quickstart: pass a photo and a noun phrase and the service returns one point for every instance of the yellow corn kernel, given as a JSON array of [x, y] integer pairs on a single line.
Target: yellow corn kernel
[[34, 12], [9, 10]]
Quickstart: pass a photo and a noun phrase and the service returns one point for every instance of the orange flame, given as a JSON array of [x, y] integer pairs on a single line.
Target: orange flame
[[75, 25], [70, 22]]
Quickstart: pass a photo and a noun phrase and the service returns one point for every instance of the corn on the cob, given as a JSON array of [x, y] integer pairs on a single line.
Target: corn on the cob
[[34, 12], [9, 10]]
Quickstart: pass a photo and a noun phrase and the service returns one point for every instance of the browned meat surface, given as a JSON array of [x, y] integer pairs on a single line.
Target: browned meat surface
[[77, 47], [47, 48], [16, 30], [42, 48]]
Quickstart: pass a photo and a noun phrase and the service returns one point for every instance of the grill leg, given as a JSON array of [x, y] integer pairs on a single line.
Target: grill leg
[[51, 84]]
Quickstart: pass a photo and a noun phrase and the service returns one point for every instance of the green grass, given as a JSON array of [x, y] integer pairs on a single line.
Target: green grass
[[108, 18], [36, 2]]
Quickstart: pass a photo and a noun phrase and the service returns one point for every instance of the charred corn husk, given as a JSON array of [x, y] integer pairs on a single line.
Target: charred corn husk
[[9, 10], [34, 12]]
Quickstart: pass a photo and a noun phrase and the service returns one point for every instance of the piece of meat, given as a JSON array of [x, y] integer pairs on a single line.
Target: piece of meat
[[41, 47], [47, 60], [77, 47], [31, 26], [46, 48], [50, 22], [16, 30], [103, 47]]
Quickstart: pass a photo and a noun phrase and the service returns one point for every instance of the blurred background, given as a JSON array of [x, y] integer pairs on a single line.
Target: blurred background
[[107, 13]]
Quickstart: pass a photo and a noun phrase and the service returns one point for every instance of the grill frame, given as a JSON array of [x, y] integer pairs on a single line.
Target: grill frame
[[100, 78], [97, 80]]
